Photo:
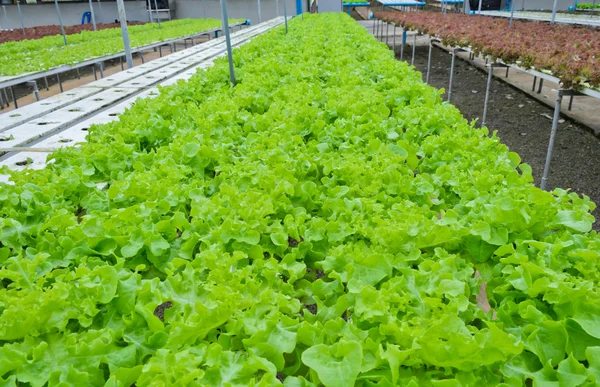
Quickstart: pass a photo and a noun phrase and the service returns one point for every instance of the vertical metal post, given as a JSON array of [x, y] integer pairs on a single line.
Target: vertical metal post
[[46, 83], [554, 10], [259, 15], [551, 142], [277, 7], [124, 33], [227, 40], [444, 7], [376, 28], [512, 12], [20, 17], [451, 75], [93, 16], [387, 32], [36, 91], [59, 83], [571, 101], [487, 95], [100, 18], [14, 97], [62, 28], [204, 9], [156, 10], [374, 25], [285, 15], [412, 59], [479, 8], [428, 62], [394, 38], [403, 43]]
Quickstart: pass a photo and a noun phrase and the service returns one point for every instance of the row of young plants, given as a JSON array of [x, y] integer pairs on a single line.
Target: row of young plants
[[38, 32], [48, 52], [588, 6], [568, 52], [327, 221]]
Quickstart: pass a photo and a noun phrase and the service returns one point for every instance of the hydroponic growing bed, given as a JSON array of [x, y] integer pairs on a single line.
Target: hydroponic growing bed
[[327, 221], [566, 52], [49, 52]]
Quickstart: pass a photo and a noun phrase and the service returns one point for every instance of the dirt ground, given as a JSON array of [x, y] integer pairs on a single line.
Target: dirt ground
[[522, 123]]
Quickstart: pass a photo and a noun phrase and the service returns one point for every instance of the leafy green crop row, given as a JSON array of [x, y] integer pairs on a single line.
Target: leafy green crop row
[[587, 6], [327, 221], [48, 52]]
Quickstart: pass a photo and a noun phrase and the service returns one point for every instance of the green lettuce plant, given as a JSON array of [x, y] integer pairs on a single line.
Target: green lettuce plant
[[327, 221]]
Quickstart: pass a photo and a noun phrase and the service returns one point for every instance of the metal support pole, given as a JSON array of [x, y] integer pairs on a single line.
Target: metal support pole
[[412, 59], [479, 8], [14, 97], [551, 142], [160, 51], [93, 16], [59, 83], [124, 33], [374, 25], [142, 56], [95, 74], [285, 15], [204, 9], [101, 68], [403, 43], [101, 13], [62, 28], [6, 97], [121, 62], [78, 74], [487, 95], [259, 15], [554, 11], [20, 17], [36, 91], [571, 102], [512, 12], [156, 10], [541, 85], [387, 32], [534, 82], [451, 75], [376, 28], [394, 38], [507, 68], [46, 83], [228, 40], [277, 7], [428, 62]]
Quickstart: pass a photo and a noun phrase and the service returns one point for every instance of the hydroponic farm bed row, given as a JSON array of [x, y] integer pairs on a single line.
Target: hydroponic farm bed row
[[49, 52], [42, 31], [324, 222], [567, 52]]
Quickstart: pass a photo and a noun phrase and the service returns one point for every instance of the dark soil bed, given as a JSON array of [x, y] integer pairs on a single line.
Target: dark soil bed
[[521, 123]]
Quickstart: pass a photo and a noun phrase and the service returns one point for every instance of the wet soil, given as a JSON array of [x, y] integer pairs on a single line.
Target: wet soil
[[522, 123]]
